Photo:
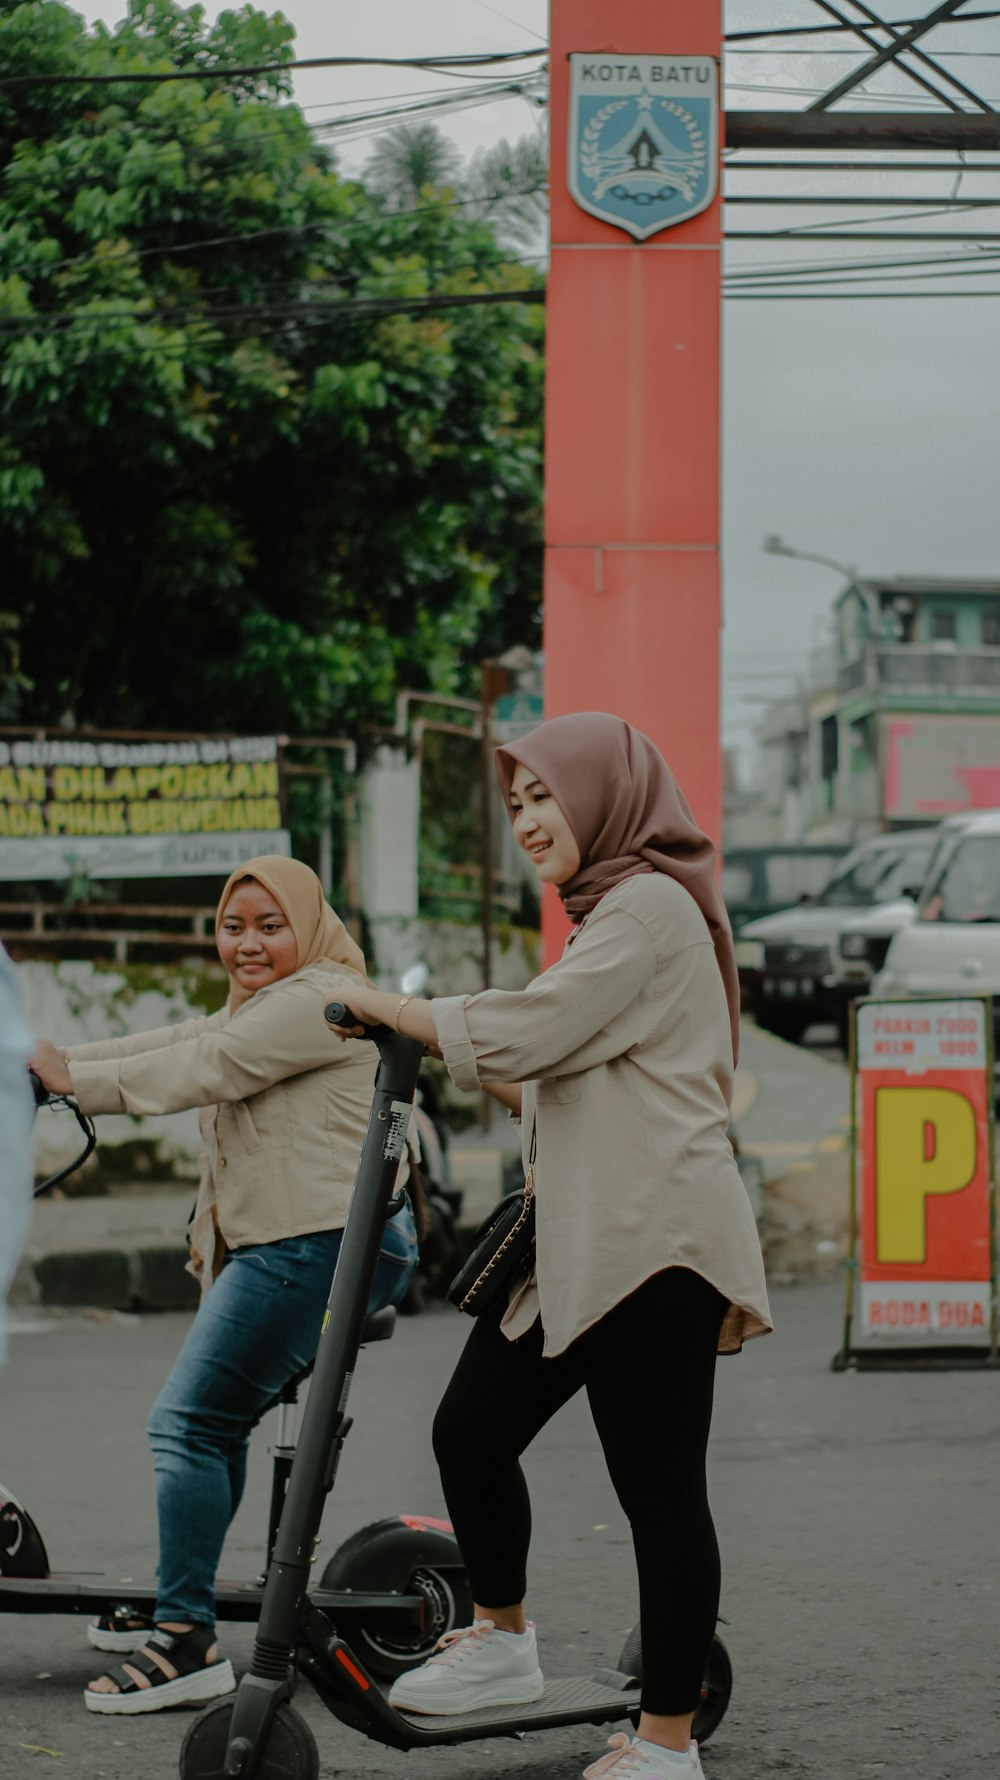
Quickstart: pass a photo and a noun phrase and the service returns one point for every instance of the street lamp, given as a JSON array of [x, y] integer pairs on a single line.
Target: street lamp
[[774, 545]]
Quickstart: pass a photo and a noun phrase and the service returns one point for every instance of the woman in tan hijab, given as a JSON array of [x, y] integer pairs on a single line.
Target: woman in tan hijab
[[619, 1061], [283, 1114]]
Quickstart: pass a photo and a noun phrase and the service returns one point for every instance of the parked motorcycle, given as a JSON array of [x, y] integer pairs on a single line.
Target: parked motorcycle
[[441, 1249]]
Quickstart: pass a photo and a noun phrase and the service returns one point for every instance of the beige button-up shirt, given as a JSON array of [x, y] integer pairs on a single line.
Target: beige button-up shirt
[[285, 1103], [625, 1050]]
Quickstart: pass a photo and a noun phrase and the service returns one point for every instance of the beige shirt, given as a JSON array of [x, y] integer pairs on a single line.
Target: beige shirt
[[285, 1102], [625, 1050]]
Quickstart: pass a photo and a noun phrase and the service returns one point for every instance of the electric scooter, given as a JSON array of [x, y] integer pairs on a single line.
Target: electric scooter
[[397, 1585], [256, 1734]]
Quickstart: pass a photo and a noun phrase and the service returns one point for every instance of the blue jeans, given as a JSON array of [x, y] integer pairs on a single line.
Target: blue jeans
[[257, 1327]]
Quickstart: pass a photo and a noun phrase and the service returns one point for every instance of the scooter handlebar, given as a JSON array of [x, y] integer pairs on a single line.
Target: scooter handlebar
[[339, 1014], [44, 1098], [39, 1089]]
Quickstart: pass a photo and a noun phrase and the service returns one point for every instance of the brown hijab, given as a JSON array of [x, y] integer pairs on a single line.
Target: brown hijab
[[628, 815], [320, 934]]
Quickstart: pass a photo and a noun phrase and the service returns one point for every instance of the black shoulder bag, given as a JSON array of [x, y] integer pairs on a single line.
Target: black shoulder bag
[[503, 1250]]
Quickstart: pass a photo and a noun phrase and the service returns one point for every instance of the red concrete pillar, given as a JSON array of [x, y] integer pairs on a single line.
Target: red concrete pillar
[[632, 599]]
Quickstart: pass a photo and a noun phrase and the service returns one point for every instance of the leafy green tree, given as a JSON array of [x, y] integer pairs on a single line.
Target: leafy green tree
[[252, 473]]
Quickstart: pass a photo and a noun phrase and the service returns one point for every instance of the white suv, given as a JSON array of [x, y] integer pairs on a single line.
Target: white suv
[[786, 960], [863, 942], [953, 946]]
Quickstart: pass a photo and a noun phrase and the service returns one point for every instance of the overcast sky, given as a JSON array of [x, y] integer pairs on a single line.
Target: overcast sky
[[866, 431]]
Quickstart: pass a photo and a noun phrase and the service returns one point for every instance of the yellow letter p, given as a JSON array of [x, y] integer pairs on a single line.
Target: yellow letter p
[[925, 1143]]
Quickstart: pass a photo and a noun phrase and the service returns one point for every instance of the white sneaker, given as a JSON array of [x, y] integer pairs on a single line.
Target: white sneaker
[[470, 1669], [631, 1759]]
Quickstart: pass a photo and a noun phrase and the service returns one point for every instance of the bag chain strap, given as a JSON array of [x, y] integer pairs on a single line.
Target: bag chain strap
[[529, 1194]]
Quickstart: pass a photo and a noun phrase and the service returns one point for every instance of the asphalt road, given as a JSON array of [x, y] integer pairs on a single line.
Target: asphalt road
[[857, 1514], [802, 1090]]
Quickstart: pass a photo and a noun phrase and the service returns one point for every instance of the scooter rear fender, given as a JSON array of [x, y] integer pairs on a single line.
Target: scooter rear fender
[[383, 1555], [22, 1548]]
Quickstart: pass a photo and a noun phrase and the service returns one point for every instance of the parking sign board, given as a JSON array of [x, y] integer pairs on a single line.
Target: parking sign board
[[923, 1270]]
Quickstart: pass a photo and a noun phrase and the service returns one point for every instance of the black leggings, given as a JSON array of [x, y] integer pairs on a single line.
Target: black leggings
[[649, 1370]]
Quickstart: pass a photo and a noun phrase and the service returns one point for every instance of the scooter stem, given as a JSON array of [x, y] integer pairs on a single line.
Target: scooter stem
[[325, 1423]]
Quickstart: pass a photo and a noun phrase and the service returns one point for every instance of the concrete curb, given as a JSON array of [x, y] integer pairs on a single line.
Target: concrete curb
[[130, 1279]]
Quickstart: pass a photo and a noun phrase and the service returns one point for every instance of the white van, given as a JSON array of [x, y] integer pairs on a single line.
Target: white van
[[953, 946]]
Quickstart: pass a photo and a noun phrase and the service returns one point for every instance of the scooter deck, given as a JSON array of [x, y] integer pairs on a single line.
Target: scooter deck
[[576, 1700], [76, 1592]]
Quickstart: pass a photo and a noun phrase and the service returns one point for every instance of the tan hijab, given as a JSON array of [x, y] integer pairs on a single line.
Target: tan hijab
[[320, 934], [320, 938], [628, 815]]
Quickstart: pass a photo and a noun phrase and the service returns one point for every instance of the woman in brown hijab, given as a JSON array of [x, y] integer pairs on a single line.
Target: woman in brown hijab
[[619, 1062], [282, 1118]]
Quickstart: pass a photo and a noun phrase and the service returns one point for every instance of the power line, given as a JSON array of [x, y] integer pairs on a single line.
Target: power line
[[805, 232], [809, 268], [935, 204], [802, 234], [487, 59], [431, 99], [375, 309], [429, 64], [241, 144], [980, 55], [374, 99], [901, 166], [174, 307], [967, 18], [191, 348], [891, 101], [969, 264], [112, 259], [837, 279], [379, 123], [58, 324], [242, 140], [195, 314], [486, 7], [869, 296]]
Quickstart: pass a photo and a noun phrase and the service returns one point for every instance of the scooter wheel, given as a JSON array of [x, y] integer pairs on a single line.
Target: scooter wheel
[[290, 1752], [715, 1689], [389, 1555]]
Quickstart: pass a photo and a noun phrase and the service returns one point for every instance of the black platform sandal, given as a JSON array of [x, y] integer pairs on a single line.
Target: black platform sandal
[[195, 1680], [122, 1630]]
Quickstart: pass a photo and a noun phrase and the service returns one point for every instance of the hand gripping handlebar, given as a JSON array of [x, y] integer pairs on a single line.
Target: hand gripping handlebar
[[339, 1014], [44, 1098], [399, 1056]]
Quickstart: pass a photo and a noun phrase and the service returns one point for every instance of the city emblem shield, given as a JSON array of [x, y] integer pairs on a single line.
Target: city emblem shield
[[643, 139]]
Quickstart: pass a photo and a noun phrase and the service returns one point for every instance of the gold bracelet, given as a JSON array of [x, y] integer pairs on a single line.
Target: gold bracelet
[[395, 1023]]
